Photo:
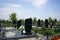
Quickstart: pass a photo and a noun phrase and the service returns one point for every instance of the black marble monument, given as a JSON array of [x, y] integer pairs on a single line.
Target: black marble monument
[[28, 26]]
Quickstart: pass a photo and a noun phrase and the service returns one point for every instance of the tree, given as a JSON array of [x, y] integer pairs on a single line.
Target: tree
[[34, 21], [42, 23], [8, 23], [13, 19], [55, 21], [22, 22], [50, 19], [58, 23], [51, 22]]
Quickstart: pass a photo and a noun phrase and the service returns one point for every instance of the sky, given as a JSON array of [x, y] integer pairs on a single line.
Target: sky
[[41, 9]]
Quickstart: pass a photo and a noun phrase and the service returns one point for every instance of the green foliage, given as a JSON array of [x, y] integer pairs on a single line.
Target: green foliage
[[34, 29], [13, 17], [44, 31], [34, 21], [42, 23], [48, 31], [50, 19], [22, 22], [57, 29]]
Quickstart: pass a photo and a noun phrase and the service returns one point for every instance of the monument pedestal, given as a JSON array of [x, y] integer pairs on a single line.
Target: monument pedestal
[[1, 34]]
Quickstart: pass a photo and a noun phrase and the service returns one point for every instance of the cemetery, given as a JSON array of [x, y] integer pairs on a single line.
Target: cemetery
[[30, 29], [29, 19]]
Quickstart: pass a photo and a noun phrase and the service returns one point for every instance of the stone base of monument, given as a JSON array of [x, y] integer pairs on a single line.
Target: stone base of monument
[[16, 34], [1, 34], [26, 33]]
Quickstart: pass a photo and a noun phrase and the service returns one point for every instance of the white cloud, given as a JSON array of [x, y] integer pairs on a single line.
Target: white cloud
[[38, 3], [8, 9], [12, 5]]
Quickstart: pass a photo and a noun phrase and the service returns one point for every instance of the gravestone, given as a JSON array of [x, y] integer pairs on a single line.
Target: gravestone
[[28, 26], [14, 24], [39, 23], [15, 34], [18, 24], [46, 23], [52, 24]]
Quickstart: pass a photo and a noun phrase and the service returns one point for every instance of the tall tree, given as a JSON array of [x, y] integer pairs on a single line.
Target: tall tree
[[50, 19], [42, 23], [13, 19], [55, 21], [22, 22], [51, 22], [34, 21]]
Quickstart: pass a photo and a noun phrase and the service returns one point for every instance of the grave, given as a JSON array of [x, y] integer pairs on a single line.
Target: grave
[[14, 23], [15, 34], [12, 34], [39, 23], [46, 23], [18, 24], [28, 26]]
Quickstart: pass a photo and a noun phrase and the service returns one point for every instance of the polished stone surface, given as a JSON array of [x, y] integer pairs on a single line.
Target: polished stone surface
[[12, 33]]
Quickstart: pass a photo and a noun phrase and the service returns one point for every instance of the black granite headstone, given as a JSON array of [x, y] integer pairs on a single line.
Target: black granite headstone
[[28, 26], [46, 23], [18, 24], [52, 23], [38, 23], [14, 23]]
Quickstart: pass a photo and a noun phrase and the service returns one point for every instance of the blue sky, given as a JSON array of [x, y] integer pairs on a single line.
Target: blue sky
[[40, 9]]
